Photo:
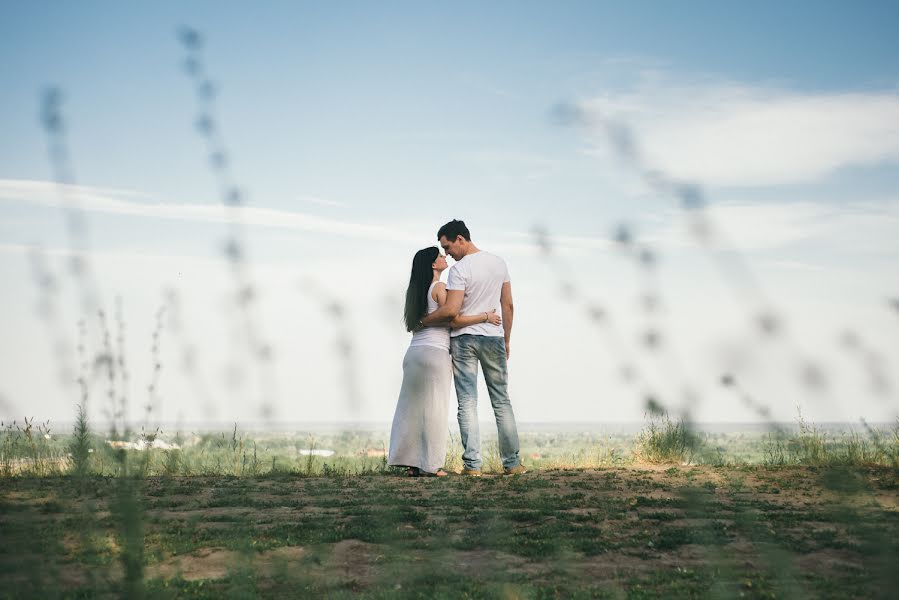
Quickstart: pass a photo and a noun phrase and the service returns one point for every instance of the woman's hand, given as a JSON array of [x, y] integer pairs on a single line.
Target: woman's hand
[[493, 317]]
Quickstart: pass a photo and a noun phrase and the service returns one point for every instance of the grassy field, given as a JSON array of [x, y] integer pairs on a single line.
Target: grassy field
[[667, 512], [26, 449], [636, 532]]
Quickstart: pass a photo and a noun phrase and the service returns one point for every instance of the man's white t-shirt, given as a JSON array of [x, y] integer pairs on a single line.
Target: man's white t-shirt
[[481, 275]]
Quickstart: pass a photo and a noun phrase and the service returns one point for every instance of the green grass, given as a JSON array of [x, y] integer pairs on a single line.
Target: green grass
[[667, 441], [28, 449], [814, 446]]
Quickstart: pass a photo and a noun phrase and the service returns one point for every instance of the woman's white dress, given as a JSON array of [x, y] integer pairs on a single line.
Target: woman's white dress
[[419, 431]]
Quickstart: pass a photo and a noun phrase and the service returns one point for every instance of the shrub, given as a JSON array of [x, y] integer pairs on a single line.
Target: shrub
[[666, 441]]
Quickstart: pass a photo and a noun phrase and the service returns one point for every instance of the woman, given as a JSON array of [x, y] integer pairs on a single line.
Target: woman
[[418, 435]]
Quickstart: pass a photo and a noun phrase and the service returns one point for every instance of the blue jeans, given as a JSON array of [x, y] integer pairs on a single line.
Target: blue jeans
[[467, 351]]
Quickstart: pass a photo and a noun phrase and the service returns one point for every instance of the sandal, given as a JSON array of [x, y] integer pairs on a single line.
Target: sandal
[[439, 473], [412, 472]]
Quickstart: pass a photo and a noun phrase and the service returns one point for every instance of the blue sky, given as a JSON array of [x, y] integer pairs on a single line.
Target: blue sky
[[361, 127]]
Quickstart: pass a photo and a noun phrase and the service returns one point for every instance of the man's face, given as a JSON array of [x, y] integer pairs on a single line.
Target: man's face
[[452, 248]]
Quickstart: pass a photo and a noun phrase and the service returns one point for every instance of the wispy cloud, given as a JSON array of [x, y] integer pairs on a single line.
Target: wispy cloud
[[139, 205], [857, 228], [734, 134], [121, 202], [321, 201]]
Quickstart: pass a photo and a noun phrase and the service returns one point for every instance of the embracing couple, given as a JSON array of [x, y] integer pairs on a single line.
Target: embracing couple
[[455, 326]]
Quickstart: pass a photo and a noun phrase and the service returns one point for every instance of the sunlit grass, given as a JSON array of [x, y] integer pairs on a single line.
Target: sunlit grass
[[30, 451]]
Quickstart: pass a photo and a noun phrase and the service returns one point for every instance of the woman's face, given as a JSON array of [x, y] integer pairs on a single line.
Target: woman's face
[[440, 264]]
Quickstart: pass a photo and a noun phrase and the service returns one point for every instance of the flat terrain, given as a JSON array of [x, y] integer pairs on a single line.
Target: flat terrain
[[614, 533]]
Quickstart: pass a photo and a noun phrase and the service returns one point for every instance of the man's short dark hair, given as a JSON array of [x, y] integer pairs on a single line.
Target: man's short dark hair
[[453, 229]]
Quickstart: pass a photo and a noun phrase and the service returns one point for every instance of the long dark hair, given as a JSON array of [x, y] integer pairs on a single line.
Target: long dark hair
[[419, 282]]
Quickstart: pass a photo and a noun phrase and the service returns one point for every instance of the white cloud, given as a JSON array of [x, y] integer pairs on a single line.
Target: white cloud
[[846, 229], [860, 227], [108, 201], [125, 203], [321, 201], [731, 134]]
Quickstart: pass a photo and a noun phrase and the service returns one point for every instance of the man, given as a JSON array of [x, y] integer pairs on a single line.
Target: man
[[479, 283]]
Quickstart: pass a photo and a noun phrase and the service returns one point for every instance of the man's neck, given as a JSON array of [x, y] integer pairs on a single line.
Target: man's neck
[[472, 249]]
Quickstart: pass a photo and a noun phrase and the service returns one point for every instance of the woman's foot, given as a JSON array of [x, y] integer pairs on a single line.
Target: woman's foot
[[416, 472], [438, 473]]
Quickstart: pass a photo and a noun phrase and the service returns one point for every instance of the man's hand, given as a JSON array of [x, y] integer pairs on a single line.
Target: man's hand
[[508, 349], [446, 313]]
